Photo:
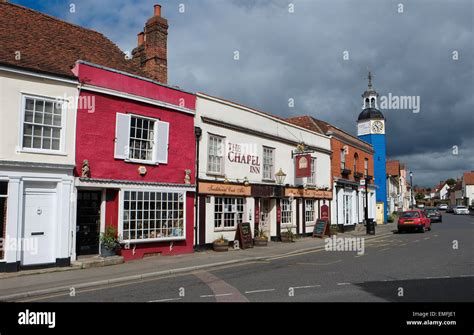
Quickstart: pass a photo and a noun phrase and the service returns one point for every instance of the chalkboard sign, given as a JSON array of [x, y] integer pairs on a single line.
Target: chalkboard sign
[[244, 235], [321, 228]]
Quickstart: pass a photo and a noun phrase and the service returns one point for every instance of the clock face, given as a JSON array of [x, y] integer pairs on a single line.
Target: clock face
[[377, 127]]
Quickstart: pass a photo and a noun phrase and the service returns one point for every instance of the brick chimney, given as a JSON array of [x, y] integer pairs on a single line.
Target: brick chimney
[[151, 51]]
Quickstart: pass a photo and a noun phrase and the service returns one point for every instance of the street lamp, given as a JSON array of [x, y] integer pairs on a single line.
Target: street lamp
[[411, 190], [280, 177]]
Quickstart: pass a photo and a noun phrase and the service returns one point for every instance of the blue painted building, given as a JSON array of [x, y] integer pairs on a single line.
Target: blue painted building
[[371, 129]]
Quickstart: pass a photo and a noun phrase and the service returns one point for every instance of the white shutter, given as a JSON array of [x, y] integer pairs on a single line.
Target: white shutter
[[122, 136], [161, 142]]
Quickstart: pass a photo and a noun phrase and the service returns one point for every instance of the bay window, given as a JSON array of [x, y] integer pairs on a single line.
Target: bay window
[[153, 215]]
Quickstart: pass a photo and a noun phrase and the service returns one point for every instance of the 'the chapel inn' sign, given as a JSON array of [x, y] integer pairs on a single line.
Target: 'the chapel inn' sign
[[224, 189], [303, 166], [244, 154]]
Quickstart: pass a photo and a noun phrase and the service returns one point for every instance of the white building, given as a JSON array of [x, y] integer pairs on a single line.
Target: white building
[[241, 151], [36, 168], [468, 188]]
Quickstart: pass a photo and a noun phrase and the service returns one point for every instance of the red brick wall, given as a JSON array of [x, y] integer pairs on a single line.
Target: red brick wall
[[337, 146]]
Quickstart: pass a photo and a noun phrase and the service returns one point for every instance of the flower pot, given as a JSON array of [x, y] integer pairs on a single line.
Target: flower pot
[[260, 242], [106, 252], [221, 246], [286, 238]]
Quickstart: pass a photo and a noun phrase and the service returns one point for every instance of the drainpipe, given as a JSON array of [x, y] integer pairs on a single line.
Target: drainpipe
[[197, 133]]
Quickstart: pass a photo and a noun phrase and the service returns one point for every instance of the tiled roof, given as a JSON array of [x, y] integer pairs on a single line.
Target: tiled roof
[[39, 42], [468, 178], [393, 168], [323, 127]]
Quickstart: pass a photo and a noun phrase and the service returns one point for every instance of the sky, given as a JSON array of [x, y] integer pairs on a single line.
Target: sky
[[317, 53]]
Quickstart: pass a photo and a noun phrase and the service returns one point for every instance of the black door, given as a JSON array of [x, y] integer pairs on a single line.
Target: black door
[[88, 222]]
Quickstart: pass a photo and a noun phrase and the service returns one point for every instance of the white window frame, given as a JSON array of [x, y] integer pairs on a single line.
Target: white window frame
[[366, 167], [222, 165], [312, 179], [236, 213], [154, 142], [343, 159], [311, 211], [286, 211], [148, 240], [5, 196], [62, 139], [272, 166]]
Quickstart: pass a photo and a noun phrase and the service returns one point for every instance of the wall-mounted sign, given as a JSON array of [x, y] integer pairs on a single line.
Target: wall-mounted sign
[[299, 192], [222, 189], [324, 212], [237, 153], [303, 166]]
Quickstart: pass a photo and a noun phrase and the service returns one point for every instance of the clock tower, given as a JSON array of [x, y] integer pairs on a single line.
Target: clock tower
[[371, 129]]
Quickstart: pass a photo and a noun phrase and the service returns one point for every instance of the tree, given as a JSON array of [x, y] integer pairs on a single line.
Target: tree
[[451, 181], [419, 196]]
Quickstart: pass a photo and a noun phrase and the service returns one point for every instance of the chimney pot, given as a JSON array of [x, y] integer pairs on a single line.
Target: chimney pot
[[157, 10], [141, 38]]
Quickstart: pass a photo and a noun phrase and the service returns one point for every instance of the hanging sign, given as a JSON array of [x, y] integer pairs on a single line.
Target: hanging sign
[[303, 166]]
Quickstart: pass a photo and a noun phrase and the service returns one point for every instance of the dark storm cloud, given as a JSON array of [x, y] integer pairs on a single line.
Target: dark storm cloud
[[300, 55]]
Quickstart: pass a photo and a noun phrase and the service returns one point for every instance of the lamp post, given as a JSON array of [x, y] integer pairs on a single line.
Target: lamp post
[[280, 177], [197, 134], [411, 190]]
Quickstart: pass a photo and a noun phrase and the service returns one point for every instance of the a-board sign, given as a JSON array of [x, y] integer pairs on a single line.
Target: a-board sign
[[321, 228], [244, 235]]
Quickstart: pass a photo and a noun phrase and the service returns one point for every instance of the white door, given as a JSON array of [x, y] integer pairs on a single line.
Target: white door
[[39, 222]]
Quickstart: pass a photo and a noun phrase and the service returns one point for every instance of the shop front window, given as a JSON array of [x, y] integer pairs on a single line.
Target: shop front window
[[286, 212], [3, 214], [309, 211], [228, 212], [153, 215]]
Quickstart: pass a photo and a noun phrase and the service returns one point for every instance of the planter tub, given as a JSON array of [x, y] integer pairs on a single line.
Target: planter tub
[[105, 252], [220, 247], [260, 242]]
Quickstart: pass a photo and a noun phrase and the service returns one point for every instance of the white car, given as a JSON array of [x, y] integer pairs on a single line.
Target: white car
[[460, 210], [443, 207]]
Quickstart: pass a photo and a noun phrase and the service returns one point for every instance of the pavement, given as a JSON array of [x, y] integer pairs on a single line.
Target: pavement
[[36, 283]]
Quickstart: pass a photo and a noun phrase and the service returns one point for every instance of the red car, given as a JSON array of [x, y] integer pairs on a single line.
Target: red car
[[414, 220]]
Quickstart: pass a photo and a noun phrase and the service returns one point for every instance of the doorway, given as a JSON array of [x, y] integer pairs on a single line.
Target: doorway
[[265, 210], [88, 222], [39, 222]]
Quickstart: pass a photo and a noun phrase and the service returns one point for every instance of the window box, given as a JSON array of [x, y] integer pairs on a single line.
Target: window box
[[345, 172], [358, 175]]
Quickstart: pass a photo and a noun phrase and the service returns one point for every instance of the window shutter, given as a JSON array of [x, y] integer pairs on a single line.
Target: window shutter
[[122, 136], [161, 142]]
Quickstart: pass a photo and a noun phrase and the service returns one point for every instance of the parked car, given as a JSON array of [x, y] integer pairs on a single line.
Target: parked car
[[434, 215], [461, 210], [450, 209], [443, 207], [420, 205], [413, 220]]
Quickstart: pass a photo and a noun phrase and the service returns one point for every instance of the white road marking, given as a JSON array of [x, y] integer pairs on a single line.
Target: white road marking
[[259, 291], [384, 249], [415, 241], [163, 300], [466, 276], [216, 295], [307, 286], [426, 238], [340, 284]]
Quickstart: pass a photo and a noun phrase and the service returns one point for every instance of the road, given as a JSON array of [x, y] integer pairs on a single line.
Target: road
[[435, 266]]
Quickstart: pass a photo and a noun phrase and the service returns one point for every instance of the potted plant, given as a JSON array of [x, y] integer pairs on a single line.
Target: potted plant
[[287, 236], [220, 244], [334, 228], [261, 239], [109, 242]]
